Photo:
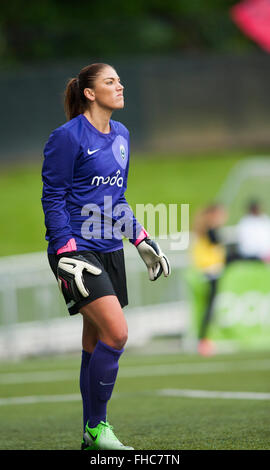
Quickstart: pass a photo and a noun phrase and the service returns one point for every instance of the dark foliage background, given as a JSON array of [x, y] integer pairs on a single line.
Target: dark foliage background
[[53, 29]]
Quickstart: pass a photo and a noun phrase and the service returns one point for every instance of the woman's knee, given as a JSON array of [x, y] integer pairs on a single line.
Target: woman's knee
[[118, 339], [108, 318]]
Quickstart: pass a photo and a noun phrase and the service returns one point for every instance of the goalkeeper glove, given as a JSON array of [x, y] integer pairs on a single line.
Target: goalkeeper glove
[[70, 274], [156, 262]]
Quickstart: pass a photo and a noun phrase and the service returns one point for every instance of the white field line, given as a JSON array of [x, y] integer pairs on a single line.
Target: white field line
[[30, 400], [195, 368], [10, 378], [213, 394], [139, 371]]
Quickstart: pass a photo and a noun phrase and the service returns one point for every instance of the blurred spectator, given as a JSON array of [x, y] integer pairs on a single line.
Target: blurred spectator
[[253, 234], [209, 257]]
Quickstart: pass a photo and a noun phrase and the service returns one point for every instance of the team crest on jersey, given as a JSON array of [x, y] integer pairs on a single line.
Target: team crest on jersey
[[120, 151]]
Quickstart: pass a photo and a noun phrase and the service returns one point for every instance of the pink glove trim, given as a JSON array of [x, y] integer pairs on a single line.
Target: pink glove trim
[[141, 237], [70, 246]]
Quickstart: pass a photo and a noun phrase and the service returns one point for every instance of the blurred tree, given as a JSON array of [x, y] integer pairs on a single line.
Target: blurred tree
[[56, 29]]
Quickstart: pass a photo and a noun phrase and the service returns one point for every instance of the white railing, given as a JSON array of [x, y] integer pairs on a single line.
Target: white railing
[[34, 318]]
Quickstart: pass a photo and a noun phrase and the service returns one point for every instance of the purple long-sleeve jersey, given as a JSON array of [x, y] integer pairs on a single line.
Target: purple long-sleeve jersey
[[84, 180]]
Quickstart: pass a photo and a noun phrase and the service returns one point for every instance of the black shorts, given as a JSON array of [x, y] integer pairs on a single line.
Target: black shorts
[[112, 280]]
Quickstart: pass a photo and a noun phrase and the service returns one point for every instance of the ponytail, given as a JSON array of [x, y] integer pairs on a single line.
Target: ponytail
[[75, 102]]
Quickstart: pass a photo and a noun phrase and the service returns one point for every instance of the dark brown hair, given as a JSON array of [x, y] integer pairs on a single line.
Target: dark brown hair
[[75, 101]]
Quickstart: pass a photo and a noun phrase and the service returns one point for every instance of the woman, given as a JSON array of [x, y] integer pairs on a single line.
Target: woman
[[85, 171], [209, 257]]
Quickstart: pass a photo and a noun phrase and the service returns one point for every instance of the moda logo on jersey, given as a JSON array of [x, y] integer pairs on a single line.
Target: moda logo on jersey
[[120, 151], [110, 180]]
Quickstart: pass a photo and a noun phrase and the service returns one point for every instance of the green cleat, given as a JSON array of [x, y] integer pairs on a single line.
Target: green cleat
[[101, 437]]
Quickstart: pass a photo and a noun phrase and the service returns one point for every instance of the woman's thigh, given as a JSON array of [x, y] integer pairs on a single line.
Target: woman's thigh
[[107, 318]]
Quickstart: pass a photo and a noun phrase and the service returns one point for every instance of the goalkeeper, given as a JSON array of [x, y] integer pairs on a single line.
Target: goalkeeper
[[86, 162]]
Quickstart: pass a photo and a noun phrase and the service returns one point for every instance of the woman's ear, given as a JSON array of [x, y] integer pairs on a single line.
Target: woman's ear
[[89, 94]]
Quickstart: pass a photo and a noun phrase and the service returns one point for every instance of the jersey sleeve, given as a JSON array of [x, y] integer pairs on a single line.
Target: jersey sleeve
[[57, 173]]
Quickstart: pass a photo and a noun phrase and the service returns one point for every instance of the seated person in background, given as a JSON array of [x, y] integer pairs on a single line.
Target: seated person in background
[[253, 234]]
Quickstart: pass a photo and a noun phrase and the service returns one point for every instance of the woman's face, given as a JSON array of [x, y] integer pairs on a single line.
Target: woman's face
[[108, 90]]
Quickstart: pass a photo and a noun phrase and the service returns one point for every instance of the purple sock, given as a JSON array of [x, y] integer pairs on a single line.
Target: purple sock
[[84, 385], [103, 368]]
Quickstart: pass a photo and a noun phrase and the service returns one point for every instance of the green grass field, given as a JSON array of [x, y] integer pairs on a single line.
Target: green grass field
[[152, 179], [171, 401], [40, 403]]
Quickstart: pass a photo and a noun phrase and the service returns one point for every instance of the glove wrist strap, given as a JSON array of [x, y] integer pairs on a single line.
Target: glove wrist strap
[[143, 234], [70, 246]]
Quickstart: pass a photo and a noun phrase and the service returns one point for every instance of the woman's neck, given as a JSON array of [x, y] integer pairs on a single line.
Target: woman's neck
[[99, 118]]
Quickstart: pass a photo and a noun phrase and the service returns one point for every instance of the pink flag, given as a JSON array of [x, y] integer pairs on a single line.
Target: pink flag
[[253, 17]]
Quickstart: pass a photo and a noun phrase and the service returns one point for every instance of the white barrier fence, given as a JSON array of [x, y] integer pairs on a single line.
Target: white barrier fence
[[34, 319]]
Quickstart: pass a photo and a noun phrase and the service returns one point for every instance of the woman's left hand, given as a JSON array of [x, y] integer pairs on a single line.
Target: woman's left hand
[[156, 262]]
